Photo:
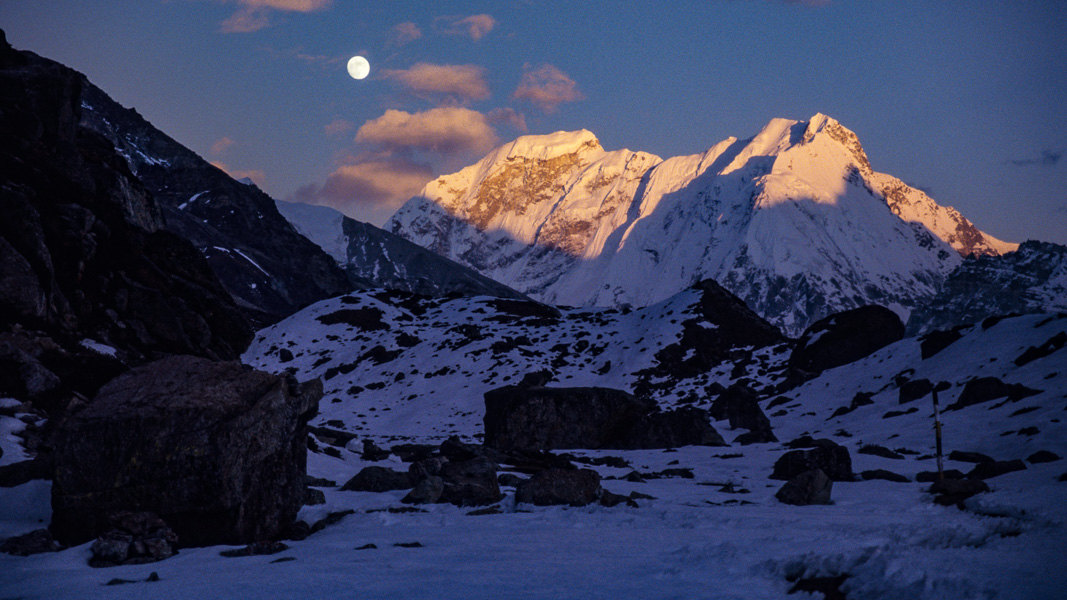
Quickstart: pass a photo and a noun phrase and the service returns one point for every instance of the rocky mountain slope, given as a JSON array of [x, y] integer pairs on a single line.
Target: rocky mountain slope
[[262, 261], [90, 279], [794, 221], [1032, 279], [374, 258]]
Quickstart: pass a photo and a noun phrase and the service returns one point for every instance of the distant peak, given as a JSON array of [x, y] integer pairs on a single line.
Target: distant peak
[[552, 145]]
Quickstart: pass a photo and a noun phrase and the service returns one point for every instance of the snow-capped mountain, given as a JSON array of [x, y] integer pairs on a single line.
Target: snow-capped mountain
[[1032, 279], [793, 220], [374, 258]]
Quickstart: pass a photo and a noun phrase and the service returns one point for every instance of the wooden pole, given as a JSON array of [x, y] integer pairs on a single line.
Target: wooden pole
[[937, 429]]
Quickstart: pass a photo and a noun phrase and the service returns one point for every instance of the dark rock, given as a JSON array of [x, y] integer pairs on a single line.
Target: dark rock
[[809, 487], [412, 452], [845, 337], [971, 457], [931, 476], [34, 542], [510, 479], [408, 545], [314, 497], [215, 448], [984, 389], [256, 549], [39, 467], [876, 450], [611, 499], [936, 341], [914, 390], [806, 441], [378, 479], [955, 491], [427, 491], [482, 512], [834, 461], [883, 474], [298, 531], [427, 467], [333, 437], [1043, 456], [470, 483], [332, 518], [995, 469], [829, 587], [1035, 352], [454, 449], [738, 404], [555, 418], [320, 482], [674, 429], [556, 486], [372, 452], [368, 547]]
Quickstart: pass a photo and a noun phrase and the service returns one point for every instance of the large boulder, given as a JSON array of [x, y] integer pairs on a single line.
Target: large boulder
[[573, 487], [737, 404], [216, 449], [845, 337], [540, 418], [470, 483], [830, 458], [809, 487]]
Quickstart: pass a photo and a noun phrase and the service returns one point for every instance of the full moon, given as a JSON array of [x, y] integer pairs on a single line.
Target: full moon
[[358, 67]]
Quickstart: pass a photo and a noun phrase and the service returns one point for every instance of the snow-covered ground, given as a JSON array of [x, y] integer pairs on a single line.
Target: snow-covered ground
[[693, 540]]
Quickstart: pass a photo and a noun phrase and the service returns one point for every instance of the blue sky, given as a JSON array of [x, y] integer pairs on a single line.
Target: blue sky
[[965, 99]]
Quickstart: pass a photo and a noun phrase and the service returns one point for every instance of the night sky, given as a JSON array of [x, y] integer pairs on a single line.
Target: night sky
[[966, 99]]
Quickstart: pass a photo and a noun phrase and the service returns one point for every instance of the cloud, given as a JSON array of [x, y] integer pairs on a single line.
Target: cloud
[[371, 189], [405, 33], [221, 145], [257, 176], [253, 15], [1048, 158], [508, 116], [475, 26], [546, 87], [338, 127], [444, 130], [464, 81]]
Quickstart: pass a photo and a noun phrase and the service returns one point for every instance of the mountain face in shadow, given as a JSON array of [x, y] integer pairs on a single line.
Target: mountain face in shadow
[[794, 221]]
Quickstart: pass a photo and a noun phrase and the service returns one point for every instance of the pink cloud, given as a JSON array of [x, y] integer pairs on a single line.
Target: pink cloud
[[464, 81], [222, 145], [369, 190], [475, 26], [444, 130], [546, 87], [405, 33], [253, 15], [338, 127], [508, 116]]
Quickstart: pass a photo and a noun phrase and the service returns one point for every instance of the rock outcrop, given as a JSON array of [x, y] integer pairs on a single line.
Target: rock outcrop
[[215, 449], [845, 337]]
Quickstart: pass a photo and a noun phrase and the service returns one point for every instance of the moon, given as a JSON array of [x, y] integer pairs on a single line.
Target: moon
[[358, 67]]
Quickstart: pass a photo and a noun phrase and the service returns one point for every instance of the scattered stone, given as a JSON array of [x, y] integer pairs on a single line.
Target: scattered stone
[[845, 337], [378, 479], [298, 531], [936, 341], [914, 390], [470, 483], [283, 559], [1029, 431], [780, 400], [217, 449], [119, 581], [427, 467], [809, 487], [899, 413], [134, 538], [15, 474], [834, 461], [320, 482], [955, 491], [557, 486], [610, 499], [995, 469], [427, 491], [408, 545], [829, 587], [34, 542], [412, 452], [332, 437], [931, 476], [876, 450], [332, 518], [1043, 456], [256, 549], [738, 405], [372, 452], [970, 457], [984, 389], [368, 547], [806, 441], [481, 512], [1051, 345], [883, 474], [153, 576]]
